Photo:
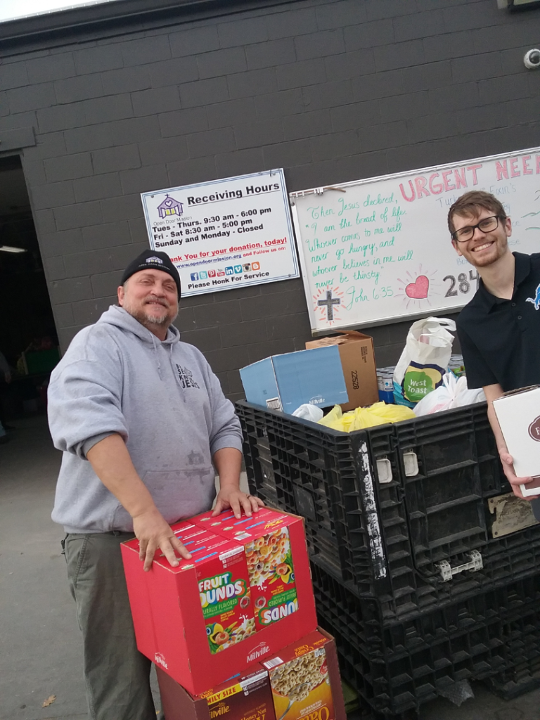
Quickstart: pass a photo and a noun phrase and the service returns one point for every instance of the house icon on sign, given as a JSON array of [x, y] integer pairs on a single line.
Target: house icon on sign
[[170, 206]]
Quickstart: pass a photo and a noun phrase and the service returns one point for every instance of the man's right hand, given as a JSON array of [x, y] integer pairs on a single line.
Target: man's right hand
[[153, 532], [508, 467]]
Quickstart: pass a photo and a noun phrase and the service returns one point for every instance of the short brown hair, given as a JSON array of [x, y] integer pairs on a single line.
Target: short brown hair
[[471, 203]]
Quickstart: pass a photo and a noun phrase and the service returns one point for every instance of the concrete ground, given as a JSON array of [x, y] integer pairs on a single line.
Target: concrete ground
[[40, 645]]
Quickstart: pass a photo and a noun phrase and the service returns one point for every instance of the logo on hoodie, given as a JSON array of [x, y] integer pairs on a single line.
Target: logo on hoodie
[[186, 377]]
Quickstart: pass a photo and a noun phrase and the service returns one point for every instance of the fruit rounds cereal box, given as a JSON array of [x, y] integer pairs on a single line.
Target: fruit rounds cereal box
[[202, 641], [226, 599]]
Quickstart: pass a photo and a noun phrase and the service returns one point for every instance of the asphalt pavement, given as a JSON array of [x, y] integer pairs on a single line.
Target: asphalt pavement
[[40, 644]]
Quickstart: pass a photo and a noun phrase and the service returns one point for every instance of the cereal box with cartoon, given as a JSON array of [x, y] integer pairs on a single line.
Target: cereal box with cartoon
[[226, 601], [265, 537]]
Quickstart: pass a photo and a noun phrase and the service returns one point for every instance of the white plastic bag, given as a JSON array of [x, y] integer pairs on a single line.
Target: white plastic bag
[[451, 394], [424, 360], [309, 412]]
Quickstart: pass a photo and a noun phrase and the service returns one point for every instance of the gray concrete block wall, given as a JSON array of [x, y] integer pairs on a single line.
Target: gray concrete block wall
[[330, 90]]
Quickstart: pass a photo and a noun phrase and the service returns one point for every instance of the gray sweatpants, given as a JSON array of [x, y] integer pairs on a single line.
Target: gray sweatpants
[[117, 674]]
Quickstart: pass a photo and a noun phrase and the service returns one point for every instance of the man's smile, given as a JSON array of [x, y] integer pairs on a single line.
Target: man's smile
[[483, 247], [154, 301]]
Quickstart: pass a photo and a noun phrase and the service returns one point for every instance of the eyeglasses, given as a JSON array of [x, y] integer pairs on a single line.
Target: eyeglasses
[[486, 225]]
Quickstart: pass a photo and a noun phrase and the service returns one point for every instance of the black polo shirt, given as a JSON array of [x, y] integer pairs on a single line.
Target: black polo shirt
[[500, 339]]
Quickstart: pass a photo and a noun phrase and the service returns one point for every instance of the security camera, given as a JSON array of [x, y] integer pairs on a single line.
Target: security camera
[[531, 60]]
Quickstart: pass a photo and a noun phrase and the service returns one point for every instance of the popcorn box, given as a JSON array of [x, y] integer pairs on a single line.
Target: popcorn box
[[305, 680], [265, 536], [196, 621], [518, 414], [245, 697]]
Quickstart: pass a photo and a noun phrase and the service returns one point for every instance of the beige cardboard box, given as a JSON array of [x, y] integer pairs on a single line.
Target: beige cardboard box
[[358, 364], [518, 413]]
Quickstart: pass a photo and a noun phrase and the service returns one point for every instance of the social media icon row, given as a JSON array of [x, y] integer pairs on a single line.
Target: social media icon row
[[231, 270]]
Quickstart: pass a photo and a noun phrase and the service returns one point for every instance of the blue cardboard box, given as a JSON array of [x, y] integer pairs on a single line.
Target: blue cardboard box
[[284, 382]]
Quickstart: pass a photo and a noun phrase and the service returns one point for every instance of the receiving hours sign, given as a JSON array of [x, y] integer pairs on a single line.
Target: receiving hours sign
[[225, 233]]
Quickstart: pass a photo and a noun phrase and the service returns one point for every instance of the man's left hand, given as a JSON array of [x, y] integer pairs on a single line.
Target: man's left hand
[[516, 482], [237, 501]]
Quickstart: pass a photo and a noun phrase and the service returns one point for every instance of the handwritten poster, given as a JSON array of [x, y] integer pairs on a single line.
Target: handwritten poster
[[225, 233], [379, 250]]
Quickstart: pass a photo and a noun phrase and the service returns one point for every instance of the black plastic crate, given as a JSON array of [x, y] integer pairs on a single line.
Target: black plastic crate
[[523, 678], [399, 667], [361, 618], [389, 530], [458, 468], [354, 526]]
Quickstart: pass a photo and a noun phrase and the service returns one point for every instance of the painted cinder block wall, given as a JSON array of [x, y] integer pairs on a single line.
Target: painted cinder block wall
[[330, 90]]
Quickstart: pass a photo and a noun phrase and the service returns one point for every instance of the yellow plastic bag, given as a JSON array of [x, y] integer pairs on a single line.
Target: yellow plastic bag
[[378, 414]]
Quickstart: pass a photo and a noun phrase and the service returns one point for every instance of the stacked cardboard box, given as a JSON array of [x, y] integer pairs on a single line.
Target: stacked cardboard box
[[233, 630]]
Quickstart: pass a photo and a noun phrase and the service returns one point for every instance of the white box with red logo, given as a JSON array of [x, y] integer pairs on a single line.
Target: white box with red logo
[[197, 621], [518, 414]]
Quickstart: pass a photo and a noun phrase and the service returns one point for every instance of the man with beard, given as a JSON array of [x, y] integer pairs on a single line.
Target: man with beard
[[142, 422], [499, 330]]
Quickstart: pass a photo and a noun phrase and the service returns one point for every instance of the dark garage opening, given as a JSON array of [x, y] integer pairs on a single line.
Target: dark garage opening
[[28, 337]]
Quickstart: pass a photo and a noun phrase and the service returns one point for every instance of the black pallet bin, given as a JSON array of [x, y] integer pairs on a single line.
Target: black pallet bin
[[492, 636], [388, 510], [327, 477]]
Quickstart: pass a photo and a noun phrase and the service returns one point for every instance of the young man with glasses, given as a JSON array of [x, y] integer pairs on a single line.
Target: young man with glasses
[[499, 330]]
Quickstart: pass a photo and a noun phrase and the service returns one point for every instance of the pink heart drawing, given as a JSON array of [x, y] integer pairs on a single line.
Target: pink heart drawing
[[418, 289]]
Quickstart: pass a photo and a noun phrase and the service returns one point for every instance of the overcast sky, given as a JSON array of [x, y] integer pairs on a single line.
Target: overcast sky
[[10, 9]]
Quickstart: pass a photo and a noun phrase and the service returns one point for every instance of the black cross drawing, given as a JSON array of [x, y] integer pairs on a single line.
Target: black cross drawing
[[329, 302]]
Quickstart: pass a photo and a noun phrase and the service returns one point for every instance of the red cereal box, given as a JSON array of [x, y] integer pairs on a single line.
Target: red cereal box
[[227, 522], [248, 696], [222, 582], [197, 621]]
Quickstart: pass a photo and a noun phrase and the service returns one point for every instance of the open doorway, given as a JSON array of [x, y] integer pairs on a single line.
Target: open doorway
[[28, 337]]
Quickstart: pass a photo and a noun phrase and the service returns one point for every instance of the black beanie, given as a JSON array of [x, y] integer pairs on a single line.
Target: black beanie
[[152, 260]]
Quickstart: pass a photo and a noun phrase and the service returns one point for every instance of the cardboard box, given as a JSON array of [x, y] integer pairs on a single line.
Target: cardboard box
[[358, 365], [305, 680], [247, 697], [265, 536], [175, 613], [284, 382], [518, 413]]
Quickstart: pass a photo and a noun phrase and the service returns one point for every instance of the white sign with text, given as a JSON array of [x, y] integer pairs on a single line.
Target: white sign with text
[[224, 234]]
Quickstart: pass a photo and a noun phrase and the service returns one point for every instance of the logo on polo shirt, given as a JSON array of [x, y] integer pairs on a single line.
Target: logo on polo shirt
[[535, 300], [534, 429]]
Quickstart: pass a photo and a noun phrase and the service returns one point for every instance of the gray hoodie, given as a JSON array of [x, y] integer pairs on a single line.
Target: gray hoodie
[[161, 397]]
